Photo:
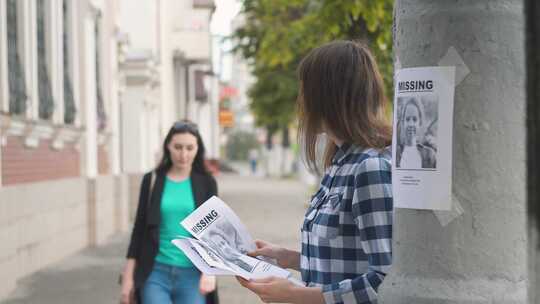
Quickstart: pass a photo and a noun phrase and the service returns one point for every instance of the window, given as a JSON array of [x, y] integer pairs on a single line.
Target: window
[[17, 84], [209, 4], [201, 86], [46, 102], [69, 101], [100, 106]]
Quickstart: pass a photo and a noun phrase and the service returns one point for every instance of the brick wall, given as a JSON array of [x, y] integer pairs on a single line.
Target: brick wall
[[21, 164]]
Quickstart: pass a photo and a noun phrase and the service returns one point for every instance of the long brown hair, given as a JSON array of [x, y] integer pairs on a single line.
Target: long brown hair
[[341, 92]]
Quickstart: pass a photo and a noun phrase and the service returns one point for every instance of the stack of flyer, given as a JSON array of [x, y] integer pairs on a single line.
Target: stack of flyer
[[221, 243]]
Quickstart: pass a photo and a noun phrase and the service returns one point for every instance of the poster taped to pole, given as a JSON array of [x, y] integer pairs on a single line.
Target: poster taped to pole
[[422, 140]]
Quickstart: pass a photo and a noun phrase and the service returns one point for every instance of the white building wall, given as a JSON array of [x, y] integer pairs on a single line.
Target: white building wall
[[241, 79], [190, 31], [89, 96], [164, 32], [112, 84], [131, 107], [213, 142], [185, 36], [155, 138], [139, 20], [204, 117], [167, 109], [37, 232], [140, 124]]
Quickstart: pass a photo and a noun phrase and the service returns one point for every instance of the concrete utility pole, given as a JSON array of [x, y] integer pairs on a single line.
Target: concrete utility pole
[[532, 9], [480, 257]]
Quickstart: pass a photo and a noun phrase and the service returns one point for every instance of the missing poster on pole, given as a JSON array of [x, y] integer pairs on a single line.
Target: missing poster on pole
[[422, 142]]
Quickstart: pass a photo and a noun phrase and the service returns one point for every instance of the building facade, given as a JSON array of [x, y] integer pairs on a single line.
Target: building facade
[[167, 75], [86, 97], [188, 81]]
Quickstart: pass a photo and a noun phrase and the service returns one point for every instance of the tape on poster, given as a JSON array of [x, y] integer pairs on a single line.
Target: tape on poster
[[452, 58], [445, 217]]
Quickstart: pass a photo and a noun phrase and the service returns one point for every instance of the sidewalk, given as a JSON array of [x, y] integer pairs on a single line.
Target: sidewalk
[[271, 209], [243, 168]]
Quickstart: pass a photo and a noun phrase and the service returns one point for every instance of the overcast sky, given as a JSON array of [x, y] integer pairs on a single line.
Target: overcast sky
[[225, 12], [220, 25]]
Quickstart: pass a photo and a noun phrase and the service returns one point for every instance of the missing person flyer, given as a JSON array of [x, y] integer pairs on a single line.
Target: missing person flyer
[[422, 140]]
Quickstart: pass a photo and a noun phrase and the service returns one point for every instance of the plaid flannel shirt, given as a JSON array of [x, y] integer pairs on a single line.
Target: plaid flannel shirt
[[347, 230]]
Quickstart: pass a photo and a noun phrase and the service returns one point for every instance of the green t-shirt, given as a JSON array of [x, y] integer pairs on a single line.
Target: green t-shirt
[[176, 204]]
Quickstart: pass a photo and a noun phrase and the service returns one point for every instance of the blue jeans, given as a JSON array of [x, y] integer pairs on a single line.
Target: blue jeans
[[169, 284]]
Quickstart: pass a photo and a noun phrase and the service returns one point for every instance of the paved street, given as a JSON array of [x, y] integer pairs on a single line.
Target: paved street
[[272, 209]]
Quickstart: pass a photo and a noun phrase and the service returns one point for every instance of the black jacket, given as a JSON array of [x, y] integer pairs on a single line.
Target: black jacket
[[144, 244]]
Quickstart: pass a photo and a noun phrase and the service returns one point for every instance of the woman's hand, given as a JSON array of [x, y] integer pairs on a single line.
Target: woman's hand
[[207, 284], [285, 258], [128, 290], [128, 287], [279, 290], [270, 290]]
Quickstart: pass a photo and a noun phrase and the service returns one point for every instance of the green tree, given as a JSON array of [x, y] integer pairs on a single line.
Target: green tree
[[239, 144], [277, 34], [274, 93], [273, 96]]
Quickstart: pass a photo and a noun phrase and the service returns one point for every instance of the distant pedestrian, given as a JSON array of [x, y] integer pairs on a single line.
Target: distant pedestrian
[[253, 159], [156, 271], [347, 229]]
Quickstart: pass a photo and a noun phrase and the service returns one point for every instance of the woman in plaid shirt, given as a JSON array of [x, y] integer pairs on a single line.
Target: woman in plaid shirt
[[347, 230]]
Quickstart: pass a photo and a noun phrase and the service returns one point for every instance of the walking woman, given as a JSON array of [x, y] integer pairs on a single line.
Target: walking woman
[[347, 230], [156, 272]]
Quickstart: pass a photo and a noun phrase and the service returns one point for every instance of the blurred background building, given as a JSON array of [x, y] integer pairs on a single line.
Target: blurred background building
[[88, 89]]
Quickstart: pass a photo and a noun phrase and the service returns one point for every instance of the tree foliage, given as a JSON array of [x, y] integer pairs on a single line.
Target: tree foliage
[[277, 34], [239, 144]]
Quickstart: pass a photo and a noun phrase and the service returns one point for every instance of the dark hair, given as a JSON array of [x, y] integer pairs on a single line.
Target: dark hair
[[341, 89], [182, 127]]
